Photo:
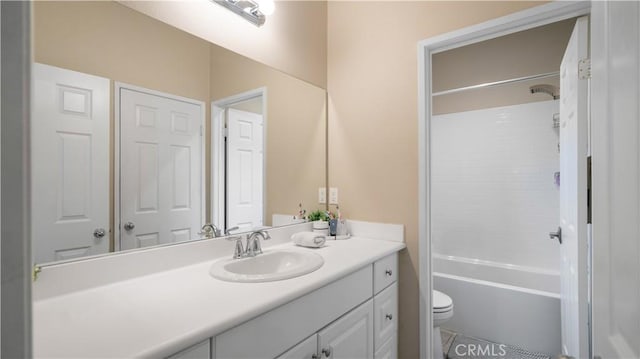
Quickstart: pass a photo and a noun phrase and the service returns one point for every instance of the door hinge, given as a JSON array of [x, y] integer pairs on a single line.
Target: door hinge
[[225, 132], [589, 191], [584, 69], [201, 130]]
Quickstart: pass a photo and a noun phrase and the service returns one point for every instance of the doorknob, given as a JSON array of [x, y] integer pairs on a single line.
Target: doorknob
[[129, 226], [99, 233], [557, 235]]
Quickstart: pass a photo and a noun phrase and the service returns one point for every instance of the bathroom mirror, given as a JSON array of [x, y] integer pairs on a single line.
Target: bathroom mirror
[[143, 133]]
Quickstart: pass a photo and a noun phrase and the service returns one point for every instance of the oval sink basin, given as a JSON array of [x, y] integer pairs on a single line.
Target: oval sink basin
[[267, 267]]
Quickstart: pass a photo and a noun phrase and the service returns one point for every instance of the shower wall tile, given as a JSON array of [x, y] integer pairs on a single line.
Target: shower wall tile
[[493, 191]]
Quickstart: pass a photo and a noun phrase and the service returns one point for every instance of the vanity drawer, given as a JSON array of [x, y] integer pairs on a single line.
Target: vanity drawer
[[385, 316], [385, 272]]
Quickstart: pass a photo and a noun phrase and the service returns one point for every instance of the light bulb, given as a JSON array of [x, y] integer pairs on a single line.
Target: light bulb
[[267, 7]]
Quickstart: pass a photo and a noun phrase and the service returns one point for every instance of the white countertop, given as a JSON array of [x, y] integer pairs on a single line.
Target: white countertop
[[160, 314]]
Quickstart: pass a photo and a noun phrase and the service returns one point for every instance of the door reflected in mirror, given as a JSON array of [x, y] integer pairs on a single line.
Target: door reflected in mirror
[[142, 134]]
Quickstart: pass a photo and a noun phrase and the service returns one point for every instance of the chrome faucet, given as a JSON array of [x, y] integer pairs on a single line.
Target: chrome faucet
[[227, 232], [253, 246], [210, 231], [239, 250]]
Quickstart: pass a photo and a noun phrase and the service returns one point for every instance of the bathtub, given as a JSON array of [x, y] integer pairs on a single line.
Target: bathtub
[[503, 303]]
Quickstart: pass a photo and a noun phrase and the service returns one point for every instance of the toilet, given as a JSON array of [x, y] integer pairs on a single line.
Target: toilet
[[442, 312]]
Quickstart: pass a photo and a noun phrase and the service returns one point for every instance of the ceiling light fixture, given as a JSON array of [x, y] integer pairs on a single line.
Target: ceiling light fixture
[[254, 11]]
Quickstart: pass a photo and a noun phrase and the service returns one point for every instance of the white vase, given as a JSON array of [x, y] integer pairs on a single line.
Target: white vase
[[320, 227]]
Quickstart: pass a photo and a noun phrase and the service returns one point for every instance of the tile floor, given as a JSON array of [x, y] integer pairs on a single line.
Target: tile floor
[[458, 346]]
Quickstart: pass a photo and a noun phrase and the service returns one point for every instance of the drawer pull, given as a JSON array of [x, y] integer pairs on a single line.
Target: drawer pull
[[389, 316], [388, 272], [326, 352]]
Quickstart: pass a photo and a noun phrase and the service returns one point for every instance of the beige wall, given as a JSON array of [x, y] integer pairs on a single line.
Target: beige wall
[[293, 39], [525, 53], [296, 129], [373, 139]]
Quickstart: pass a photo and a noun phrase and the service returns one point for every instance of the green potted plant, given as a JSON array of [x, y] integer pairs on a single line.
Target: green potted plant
[[320, 221]]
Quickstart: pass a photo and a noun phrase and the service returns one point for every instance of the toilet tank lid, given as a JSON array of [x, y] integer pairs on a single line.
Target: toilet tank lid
[[441, 300]]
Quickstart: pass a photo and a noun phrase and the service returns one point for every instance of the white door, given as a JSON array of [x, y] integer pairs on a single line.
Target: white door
[[573, 194], [244, 169], [69, 164], [616, 179], [160, 169], [350, 337]]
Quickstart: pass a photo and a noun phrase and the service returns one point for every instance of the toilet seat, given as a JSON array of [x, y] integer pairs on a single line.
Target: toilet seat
[[441, 302]]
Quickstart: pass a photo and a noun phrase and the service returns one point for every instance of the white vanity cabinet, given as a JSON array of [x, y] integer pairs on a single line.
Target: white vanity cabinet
[[351, 318], [386, 322], [350, 336], [201, 350], [308, 349]]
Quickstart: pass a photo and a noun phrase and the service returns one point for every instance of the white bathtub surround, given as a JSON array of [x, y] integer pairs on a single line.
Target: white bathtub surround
[[526, 278], [166, 307], [511, 305], [493, 191], [494, 202]]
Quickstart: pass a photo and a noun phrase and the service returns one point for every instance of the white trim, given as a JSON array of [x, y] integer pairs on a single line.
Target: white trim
[[117, 87], [218, 152], [523, 20]]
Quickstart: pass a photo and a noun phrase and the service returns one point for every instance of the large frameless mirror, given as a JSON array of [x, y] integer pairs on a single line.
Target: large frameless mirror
[[144, 135]]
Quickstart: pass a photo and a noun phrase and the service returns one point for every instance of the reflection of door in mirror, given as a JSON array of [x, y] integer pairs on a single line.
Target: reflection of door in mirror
[[69, 164], [245, 169], [239, 123], [160, 168]]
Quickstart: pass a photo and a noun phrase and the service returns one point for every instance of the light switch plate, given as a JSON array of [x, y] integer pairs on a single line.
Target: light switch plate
[[322, 195], [333, 195]]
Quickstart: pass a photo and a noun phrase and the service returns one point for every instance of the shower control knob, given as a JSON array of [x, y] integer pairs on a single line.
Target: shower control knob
[[388, 272], [326, 352], [389, 316], [556, 235]]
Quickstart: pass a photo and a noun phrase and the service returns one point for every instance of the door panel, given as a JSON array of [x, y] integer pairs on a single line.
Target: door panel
[[386, 315], [160, 169], [350, 337], [573, 194], [69, 164], [245, 169], [616, 181]]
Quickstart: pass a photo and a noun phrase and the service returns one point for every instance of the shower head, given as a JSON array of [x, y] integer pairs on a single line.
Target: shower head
[[550, 90]]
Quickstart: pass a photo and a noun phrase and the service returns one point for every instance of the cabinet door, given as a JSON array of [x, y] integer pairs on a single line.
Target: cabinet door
[[350, 337], [305, 350], [388, 350], [201, 350], [386, 315]]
